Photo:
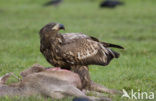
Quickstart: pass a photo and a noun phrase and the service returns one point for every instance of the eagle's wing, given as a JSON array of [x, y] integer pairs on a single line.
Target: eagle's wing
[[86, 51], [70, 37]]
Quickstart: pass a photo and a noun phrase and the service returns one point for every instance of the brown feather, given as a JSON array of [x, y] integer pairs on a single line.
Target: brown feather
[[74, 50]]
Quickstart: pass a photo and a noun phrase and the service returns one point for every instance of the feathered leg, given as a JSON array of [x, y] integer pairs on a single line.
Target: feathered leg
[[83, 72]]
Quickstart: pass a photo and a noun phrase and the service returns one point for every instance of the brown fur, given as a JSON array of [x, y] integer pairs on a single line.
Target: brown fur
[[93, 87], [47, 84]]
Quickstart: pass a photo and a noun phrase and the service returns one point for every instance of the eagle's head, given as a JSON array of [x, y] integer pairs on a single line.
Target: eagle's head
[[51, 29]]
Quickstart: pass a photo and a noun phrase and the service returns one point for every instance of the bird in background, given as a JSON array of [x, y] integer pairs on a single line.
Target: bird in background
[[53, 3], [110, 3], [81, 99]]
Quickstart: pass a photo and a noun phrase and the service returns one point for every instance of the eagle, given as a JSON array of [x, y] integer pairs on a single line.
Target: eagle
[[74, 51]]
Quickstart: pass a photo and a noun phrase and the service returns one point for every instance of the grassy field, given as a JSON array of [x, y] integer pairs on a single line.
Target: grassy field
[[132, 26]]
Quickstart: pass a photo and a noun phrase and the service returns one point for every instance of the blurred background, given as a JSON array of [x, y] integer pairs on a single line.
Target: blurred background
[[131, 24]]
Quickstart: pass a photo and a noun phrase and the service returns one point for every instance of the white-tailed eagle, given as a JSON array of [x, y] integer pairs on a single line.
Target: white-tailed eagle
[[73, 50]]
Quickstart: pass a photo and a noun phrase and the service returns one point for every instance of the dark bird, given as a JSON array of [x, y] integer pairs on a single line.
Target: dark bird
[[53, 2], [74, 51], [81, 99], [87, 99], [110, 3]]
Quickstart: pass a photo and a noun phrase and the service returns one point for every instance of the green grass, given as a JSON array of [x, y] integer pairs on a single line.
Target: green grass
[[132, 25]]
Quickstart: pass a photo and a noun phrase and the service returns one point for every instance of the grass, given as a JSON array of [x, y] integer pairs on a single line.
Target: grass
[[132, 26]]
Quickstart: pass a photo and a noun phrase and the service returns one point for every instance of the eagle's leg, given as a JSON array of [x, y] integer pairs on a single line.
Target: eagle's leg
[[83, 72], [99, 88]]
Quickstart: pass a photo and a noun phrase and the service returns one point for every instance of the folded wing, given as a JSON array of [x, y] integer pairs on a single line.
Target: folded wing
[[85, 51]]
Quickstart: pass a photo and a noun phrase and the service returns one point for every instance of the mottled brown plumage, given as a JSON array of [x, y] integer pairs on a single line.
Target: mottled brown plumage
[[74, 50]]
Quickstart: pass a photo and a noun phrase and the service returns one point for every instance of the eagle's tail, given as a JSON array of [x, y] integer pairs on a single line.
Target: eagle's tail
[[113, 53], [111, 45]]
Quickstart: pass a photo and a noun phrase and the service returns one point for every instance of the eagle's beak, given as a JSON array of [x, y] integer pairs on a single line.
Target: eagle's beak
[[58, 27], [61, 26]]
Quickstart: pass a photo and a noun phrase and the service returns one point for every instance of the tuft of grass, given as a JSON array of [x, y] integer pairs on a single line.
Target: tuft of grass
[[132, 26]]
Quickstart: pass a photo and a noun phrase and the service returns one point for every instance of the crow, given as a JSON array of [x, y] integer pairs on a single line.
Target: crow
[[110, 3], [53, 2]]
